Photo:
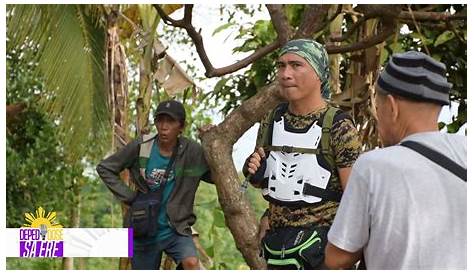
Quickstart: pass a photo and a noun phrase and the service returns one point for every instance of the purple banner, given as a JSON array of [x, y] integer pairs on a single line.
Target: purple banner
[[41, 248], [130, 242]]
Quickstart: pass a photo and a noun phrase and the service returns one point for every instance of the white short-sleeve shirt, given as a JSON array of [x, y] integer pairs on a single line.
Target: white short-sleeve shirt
[[404, 210]]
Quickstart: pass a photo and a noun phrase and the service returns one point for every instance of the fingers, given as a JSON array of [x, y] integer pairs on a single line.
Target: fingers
[[252, 168], [254, 162], [261, 152]]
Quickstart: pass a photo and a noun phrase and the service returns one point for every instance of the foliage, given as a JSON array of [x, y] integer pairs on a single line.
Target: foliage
[[450, 49], [37, 167], [39, 171], [69, 42], [230, 91], [446, 45], [214, 235]]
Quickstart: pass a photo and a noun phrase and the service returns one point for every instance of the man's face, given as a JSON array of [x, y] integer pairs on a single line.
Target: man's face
[[297, 79], [168, 128]]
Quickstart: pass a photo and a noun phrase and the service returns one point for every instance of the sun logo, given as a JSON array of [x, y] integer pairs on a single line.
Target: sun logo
[[40, 220], [41, 236]]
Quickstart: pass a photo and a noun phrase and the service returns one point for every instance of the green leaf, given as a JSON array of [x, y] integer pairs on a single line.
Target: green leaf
[[71, 58], [210, 251], [396, 47], [218, 215], [422, 38], [220, 84], [453, 127], [441, 125], [222, 27], [208, 205], [444, 37], [383, 56]]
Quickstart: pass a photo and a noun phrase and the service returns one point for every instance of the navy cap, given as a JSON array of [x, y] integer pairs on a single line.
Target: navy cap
[[172, 108], [417, 76]]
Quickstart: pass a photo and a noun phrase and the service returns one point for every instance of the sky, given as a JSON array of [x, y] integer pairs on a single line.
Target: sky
[[219, 49]]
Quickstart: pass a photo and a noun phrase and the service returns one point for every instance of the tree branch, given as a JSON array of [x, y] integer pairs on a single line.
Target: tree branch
[[384, 11], [188, 14], [312, 20], [280, 23], [186, 23], [338, 11], [453, 29], [426, 24], [352, 29], [433, 16], [259, 53], [387, 12], [168, 20], [387, 30]]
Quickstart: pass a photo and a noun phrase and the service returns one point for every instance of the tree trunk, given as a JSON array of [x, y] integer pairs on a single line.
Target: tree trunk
[[118, 96], [68, 263], [82, 263], [143, 102], [217, 143], [358, 93], [75, 213], [364, 73]]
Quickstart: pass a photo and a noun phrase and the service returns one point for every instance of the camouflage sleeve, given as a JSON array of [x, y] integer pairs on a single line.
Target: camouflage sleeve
[[345, 140]]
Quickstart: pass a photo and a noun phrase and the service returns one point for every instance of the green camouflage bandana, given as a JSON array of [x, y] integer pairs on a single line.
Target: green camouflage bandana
[[315, 54]]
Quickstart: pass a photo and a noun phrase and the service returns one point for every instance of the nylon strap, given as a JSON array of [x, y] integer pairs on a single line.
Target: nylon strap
[[438, 158], [290, 149], [324, 194], [326, 136]]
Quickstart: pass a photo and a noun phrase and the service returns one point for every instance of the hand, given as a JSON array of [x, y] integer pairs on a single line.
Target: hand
[[255, 159]]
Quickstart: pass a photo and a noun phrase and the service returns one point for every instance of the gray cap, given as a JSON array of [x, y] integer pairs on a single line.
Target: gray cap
[[417, 76]]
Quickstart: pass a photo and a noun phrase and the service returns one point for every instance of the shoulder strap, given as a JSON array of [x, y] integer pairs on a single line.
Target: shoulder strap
[[325, 136], [268, 124], [290, 149], [144, 151], [328, 121], [170, 165], [438, 158], [164, 179]]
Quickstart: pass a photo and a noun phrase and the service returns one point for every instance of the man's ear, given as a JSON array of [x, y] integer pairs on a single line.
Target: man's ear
[[394, 107]]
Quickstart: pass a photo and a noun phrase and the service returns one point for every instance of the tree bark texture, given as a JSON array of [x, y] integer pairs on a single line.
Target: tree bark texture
[[217, 143]]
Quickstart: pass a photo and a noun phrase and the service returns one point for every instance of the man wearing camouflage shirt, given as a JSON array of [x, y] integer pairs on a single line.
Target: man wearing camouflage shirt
[[305, 160]]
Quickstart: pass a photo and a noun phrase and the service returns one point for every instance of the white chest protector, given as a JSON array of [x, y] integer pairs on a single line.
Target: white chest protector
[[287, 173]]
